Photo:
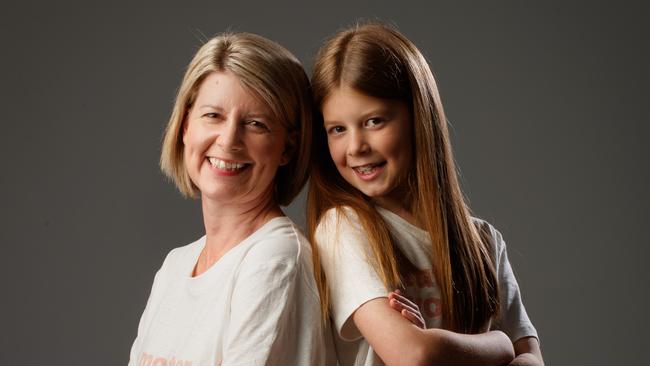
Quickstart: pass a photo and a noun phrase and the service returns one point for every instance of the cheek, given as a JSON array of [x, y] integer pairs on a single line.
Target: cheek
[[197, 139], [398, 147], [267, 153], [266, 146], [274, 153], [336, 149]]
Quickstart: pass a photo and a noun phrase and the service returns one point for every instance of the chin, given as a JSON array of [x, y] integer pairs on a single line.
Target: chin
[[373, 193], [218, 193]]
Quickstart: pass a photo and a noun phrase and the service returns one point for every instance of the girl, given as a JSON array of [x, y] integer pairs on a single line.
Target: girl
[[385, 211]]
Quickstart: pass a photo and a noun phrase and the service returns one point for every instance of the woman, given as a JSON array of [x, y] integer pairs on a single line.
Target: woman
[[244, 293], [385, 211]]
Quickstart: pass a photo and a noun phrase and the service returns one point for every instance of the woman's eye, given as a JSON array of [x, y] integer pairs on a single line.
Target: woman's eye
[[211, 115], [257, 125]]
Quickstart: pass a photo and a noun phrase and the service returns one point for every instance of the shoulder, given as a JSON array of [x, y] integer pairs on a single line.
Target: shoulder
[[178, 260], [341, 239], [279, 241], [182, 254], [335, 215], [490, 236], [277, 256], [336, 221]]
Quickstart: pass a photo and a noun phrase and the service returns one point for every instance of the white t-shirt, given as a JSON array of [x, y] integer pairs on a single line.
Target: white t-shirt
[[257, 305], [352, 282]]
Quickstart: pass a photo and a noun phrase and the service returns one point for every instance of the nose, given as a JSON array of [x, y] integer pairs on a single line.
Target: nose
[[229, 138], [357, 144]]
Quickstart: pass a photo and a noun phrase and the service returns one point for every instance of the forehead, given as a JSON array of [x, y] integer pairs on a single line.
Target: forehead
[[347, 103], [225, 90]]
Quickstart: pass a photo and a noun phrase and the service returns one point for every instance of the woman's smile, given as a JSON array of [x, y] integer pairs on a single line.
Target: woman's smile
[[226, 168], [233, 145]]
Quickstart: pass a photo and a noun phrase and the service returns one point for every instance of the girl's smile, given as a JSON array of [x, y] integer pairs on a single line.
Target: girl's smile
[[369, 171], [369, 141]]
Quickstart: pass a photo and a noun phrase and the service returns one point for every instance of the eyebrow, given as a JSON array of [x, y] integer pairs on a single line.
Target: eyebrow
[[210, 106], [249, 115], [370, 113], [382, 111], [259, 115], [267, 117]]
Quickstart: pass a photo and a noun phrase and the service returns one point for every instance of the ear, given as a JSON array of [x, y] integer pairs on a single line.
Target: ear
[[289, 148]]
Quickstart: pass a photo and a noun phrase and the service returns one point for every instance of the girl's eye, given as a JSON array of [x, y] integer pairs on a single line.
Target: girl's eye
[[335, 130], [374, 122]]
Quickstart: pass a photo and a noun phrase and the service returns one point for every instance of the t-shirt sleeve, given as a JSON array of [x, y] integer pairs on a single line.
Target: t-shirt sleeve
[[513, 319], [259, 329], [352, 281]]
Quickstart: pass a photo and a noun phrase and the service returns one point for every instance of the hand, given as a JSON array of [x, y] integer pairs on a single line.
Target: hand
[[409, 310]]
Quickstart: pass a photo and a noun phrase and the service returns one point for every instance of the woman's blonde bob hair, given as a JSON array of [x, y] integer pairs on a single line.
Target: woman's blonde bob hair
[[268, 71]]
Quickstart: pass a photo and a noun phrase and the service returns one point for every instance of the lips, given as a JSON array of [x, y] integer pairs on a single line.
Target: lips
[[368, 169], [229, 166]]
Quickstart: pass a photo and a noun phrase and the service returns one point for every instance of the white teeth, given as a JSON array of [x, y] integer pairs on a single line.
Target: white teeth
[[366, 169], [220, 164]]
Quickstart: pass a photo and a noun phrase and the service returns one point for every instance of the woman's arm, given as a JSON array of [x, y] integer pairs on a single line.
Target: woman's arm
[[399, 342]]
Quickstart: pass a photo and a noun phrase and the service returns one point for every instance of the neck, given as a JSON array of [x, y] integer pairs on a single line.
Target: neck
[[227, 224], [400, 207]]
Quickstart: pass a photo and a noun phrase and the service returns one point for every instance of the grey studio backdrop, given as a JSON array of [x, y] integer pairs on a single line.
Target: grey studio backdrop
[[548, 120]]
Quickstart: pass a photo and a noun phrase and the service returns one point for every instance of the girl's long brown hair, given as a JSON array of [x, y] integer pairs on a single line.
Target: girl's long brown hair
[[377, 60]]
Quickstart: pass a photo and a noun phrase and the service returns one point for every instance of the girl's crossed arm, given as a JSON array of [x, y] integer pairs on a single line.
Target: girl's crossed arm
[[399, 342], [527, 351]]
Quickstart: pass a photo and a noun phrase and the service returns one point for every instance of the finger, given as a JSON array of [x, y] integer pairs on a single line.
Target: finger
[[415, 319], [418, 322], [403, 299], [411, 315], [404, 304], [392, 295], [396, 291], [396, 304]]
